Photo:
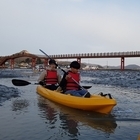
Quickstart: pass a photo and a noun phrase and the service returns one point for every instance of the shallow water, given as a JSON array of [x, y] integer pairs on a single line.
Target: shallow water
[[33, 117]]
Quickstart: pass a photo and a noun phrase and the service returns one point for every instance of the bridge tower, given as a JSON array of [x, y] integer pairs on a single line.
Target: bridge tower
[[122, 63], [79, 60], [33, 63], [12, 63], [45, 63]]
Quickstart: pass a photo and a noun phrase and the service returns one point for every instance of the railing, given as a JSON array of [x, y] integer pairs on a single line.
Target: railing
[[81, 55], [98, 55]]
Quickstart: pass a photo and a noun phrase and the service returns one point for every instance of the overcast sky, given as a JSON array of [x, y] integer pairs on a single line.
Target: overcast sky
[[70, 26]]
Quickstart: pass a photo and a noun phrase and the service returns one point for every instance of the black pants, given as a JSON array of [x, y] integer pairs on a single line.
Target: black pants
[[51, 87]]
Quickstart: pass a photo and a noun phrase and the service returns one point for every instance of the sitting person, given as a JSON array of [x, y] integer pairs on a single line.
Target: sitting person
[[70, 82], [50, 78]]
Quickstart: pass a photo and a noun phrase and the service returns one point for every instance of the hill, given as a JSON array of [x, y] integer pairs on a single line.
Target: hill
[[131, 66]]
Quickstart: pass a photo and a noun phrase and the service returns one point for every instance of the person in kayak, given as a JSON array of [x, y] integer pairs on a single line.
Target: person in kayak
[[50, 78], [70, 82]]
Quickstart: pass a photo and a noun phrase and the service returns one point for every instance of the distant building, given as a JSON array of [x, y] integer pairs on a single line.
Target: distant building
[[90, 67]]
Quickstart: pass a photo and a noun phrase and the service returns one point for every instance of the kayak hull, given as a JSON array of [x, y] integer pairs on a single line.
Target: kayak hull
[[96, 103]]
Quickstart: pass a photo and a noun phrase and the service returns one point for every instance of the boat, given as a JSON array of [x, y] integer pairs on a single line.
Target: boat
[[138, 137], [96, 103]]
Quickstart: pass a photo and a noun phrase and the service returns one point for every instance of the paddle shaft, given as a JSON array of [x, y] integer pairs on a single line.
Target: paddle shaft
[[63, 70], [19, 82]]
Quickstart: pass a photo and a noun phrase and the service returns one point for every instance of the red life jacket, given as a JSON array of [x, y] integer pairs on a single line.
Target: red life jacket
[[71, 85], [51, 77]]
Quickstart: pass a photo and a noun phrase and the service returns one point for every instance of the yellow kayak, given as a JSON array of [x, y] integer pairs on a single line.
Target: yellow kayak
[[96, 103]]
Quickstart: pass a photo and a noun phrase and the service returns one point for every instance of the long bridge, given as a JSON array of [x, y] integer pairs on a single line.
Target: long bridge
[[121, 55]]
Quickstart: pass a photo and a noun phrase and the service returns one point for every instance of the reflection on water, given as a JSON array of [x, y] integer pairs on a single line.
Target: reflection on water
[[70, 119], [47, 112], [69, 125], [19, 104]]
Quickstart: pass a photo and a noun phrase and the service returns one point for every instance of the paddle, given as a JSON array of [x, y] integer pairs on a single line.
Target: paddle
[[18, 82], [63, 70]]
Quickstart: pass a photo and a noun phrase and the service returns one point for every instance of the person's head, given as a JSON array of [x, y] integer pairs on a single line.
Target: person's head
[[75, 66], [52, 64]]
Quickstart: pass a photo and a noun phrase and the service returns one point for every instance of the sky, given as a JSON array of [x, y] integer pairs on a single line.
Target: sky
[[71, 26]]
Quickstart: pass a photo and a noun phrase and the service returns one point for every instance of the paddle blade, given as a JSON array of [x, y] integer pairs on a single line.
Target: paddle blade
[[18, 82], [86, 87]]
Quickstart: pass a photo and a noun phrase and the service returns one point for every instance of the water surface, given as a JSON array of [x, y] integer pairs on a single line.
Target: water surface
[[30, 116]]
